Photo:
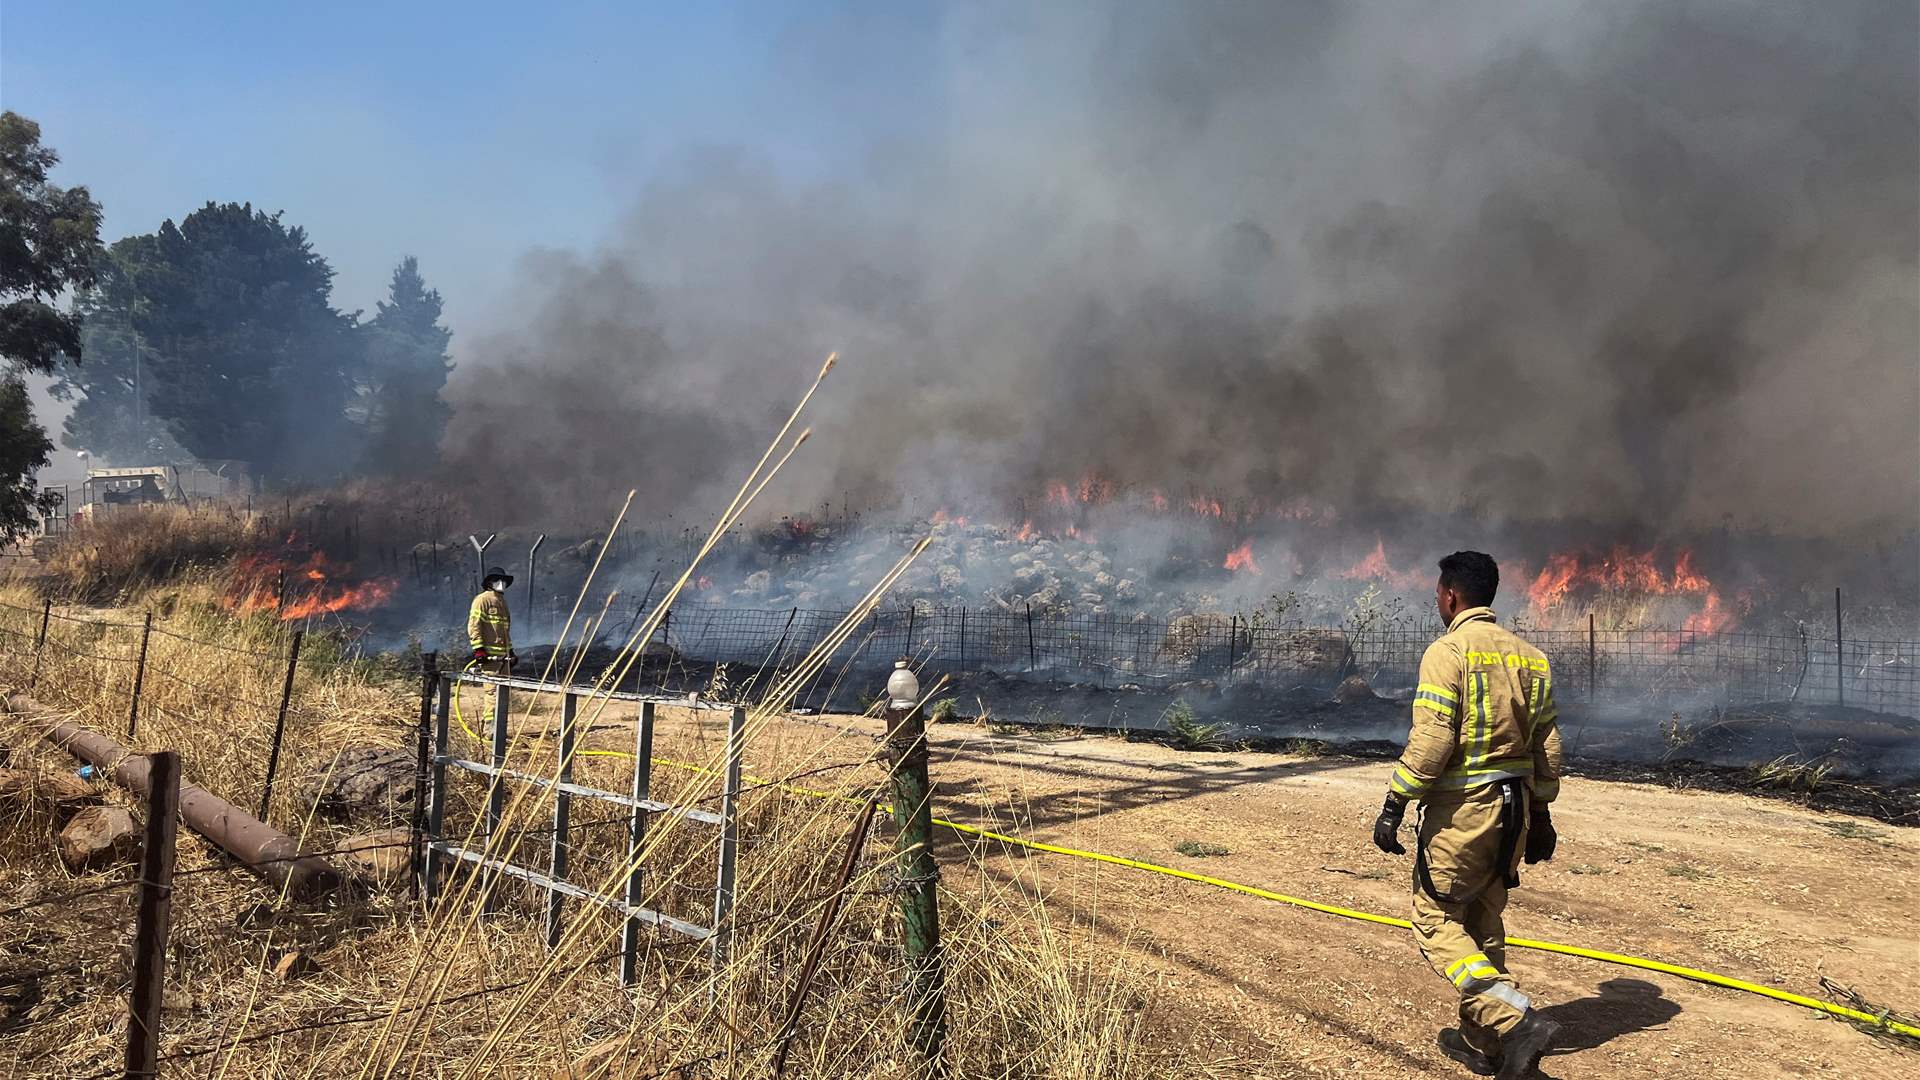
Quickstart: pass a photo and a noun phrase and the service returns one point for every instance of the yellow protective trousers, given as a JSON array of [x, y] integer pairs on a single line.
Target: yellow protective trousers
[[1460, 932], [499, 669]]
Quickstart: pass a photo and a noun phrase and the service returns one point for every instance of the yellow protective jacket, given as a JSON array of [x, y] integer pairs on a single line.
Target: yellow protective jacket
[[1483, 712], [489, 626]]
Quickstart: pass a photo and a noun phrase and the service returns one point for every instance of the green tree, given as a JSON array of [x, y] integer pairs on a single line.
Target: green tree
[[111, 417], [406, 367], [249, 360], [49, 241]]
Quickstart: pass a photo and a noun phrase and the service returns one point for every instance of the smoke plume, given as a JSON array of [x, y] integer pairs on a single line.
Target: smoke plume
[[1651, 265]]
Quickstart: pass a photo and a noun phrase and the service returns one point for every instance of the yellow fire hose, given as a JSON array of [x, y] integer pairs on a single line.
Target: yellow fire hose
[[1881, 1021]]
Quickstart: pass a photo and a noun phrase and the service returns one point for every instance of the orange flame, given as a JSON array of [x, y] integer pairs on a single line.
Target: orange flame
[[1206, 506], [1241, 558], [1026, 532], [941, 517], [1095, 489], [1622, 569], [310, 590], [1712, 617], [1619, 569], [1375, 567]]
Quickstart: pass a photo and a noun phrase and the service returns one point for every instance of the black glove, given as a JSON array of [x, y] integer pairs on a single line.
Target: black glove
[[1386, 828], [480, 655], [512, 659], [1541, 838]]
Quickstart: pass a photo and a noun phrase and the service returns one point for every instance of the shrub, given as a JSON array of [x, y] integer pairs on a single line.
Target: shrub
[[1188, 732]]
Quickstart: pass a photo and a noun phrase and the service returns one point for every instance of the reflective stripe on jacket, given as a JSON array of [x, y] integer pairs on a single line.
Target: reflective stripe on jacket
[[1483, 712], [489, 626]]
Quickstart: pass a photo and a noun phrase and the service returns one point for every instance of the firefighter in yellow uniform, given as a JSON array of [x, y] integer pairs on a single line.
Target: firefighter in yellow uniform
[[490, 626], [1483, 762]]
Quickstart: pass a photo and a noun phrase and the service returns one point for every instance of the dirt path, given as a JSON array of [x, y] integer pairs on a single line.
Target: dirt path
[[1757, 890]]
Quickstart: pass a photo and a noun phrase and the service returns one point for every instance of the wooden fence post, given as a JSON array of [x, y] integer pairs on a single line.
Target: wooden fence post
[[280, 723], [156, 909], [139, 676], [906, 748], [423, 741], [40, 643]]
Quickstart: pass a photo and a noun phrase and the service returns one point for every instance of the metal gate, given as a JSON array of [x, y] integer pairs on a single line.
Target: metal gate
[[638, 801]]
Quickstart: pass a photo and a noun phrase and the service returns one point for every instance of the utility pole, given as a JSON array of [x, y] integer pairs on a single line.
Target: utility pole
[[906, 749]]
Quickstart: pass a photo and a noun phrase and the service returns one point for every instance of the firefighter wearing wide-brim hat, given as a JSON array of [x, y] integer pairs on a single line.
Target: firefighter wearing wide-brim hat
[[490, 626], [1483, 762]]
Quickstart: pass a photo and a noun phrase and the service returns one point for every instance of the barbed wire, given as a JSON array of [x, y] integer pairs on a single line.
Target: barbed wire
[[258, 653], [64, 617]]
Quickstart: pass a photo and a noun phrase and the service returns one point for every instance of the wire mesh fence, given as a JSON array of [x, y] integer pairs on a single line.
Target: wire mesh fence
[[1148, 651]]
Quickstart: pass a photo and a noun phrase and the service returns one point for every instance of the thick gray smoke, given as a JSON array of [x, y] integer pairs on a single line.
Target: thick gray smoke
[[1648, 264]]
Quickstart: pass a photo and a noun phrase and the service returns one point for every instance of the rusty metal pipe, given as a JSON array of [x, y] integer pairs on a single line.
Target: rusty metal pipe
[[266, 851]]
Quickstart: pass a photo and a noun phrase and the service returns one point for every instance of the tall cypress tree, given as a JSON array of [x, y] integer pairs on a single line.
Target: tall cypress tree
[[406, 367]]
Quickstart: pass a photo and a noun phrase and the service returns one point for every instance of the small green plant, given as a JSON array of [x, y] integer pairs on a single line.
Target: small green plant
[[1691, 873], [1587, 868], [945, 710], [1307, 748], [1199, 849], [1188, 732], [1675, 733], [1853, 830]]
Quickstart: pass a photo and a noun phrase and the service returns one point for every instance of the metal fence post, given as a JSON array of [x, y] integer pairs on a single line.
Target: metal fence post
[[729, 840], [480, 557], [280, 723], [562, 804], [437, 800], [1033, 654], [155, 912], [906, 746], [423, 751], [139, 676], [533, 607], [1593, 661], [636, 838], [1839, 653], [497, 790], [40, 642]]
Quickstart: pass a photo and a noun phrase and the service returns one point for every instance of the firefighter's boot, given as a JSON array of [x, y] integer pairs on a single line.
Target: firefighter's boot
[[1522, 1046], [1455, 1045]]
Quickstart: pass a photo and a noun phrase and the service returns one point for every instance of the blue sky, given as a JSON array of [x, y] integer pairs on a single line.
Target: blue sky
[[465, 134]]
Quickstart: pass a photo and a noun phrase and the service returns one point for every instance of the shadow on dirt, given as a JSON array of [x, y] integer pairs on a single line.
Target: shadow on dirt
[[1622, 1007]]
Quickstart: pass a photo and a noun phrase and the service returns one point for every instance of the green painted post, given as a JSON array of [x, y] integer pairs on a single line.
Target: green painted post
[[919, 875]]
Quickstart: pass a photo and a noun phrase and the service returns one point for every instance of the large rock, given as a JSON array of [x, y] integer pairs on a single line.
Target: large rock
[[366, 783], [1353, 690], [99, 837], [382, 857]]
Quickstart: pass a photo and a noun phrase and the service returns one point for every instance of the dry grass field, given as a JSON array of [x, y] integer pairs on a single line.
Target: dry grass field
[[1059, 967]]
